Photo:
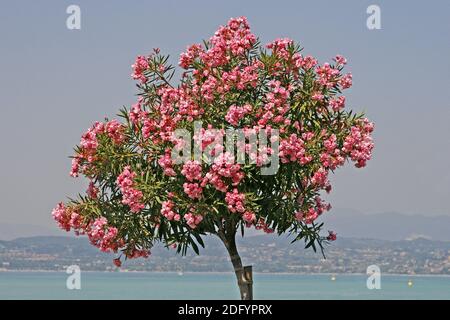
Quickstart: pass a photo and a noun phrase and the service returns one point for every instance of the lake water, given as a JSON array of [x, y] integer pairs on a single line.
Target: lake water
[[122, 285]]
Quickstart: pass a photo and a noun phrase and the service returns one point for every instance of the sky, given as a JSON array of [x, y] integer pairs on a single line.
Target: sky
[[54, 82]]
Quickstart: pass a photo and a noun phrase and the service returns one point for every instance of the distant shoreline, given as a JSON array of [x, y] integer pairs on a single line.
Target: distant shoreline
[[268, 256], [231, 273]]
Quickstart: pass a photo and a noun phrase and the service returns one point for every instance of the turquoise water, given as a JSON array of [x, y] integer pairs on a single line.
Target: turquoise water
[[121, 285]]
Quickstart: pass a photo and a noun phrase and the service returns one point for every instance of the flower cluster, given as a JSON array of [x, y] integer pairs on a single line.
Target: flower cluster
[[139, 67], [103, 236], [234, 39], [280, 47], [167, 211], [236, 113], [188, 57], [136, 253], [262, 225], [165, 161], [192, 170], [130, 195], [358, 144], [90, 141], [331, 236], [92, 191], [223, 168], [249, 217], [100, 233], [64, 217], [193, 190], [115, 131], [193, 220], [293, 149], [337, 104], [235, 201]]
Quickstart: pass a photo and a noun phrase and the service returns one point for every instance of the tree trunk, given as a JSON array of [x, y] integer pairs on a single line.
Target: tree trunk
[[243, 274]]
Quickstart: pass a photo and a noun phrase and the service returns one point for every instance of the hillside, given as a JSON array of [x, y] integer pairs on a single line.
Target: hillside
[[267, 253]]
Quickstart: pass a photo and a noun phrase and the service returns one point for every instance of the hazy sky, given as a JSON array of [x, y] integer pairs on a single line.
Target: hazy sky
[[55, 82]]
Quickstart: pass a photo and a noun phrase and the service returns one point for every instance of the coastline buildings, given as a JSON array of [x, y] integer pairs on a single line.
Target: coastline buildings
[[266, 254]]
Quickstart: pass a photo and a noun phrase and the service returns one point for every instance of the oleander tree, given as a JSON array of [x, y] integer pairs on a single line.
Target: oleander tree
[[138, 195]]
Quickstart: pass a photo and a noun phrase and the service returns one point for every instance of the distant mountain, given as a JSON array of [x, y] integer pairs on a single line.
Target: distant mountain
[[9, 231], [347, 223], [387, 226]]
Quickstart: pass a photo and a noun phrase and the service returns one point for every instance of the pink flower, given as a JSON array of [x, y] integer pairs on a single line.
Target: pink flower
[[103, 236], [331, 236], [249, 217], [193, 220], [192, 170], [188, 108], [320, 177], [139, 68], [167, 211], [317, 96], [293, 149], [76, 222], [235, 36], [327, 75], [62, 216], [135, 253], [330, 143], [115, 131], [346, 81], [130, 195], [310, 216], [340, 60], [92, 190], [166, 163], [236, 113], [338, 103], [222, 168], [358, 144], [117, 262], [75, 169], [240, 78], [136, 113], [235, 201], [308, 63], [205, 137], [193, 190], [67, 218], [261, 225], [188, 57], [89, 142], [280, 47]]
